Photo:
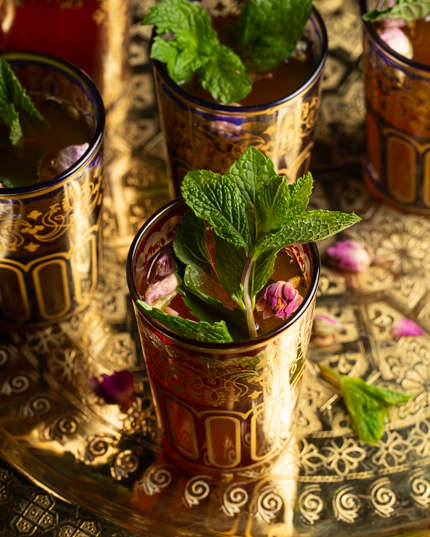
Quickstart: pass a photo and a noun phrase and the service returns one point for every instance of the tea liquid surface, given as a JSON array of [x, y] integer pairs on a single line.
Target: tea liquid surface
[[267, 87], [285, 268], [20, 164]]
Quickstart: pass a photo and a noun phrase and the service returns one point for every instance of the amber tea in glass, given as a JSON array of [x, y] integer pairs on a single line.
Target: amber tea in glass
[[223, 408], [397, 163]]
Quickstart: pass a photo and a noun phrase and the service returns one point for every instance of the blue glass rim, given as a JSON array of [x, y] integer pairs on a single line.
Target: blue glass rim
[[236, 346], [371, 30], [80, 76], [215, 107]]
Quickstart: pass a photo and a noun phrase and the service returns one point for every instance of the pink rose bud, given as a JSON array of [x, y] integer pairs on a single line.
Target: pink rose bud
[[280, 299], [115, 389], [397, 40], [160, 293], [351, 255], [62, 161], [326, 325], [406, 327], [165, 265]]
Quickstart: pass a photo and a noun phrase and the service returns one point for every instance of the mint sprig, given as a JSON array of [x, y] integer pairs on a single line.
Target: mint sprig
[[403, 9], [196, 48], [254, 214], [367, 405], [267, 31], [14, 103], [265, 35]]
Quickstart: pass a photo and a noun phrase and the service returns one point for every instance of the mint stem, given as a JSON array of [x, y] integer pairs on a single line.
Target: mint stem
[[249, 310]]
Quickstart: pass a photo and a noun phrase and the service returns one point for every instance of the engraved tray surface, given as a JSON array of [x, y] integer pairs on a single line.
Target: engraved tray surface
[[100, 472]]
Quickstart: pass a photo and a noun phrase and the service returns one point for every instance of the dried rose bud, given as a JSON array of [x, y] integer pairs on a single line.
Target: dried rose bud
[[397, 40], [62, 161], [160, 294], [406, 327], [280, 299], [165, 265], [115, 389], [326, 325], [351, 255]]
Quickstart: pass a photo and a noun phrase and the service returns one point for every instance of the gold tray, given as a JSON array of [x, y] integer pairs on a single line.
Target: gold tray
[[102, 473]]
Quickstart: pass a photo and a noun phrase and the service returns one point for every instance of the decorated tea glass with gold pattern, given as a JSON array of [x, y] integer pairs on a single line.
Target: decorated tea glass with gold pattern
[[92, 34], [200, 134], [397, 162], [223, 408], [50, 232]]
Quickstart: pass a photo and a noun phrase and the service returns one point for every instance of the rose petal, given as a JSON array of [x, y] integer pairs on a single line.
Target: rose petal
[[406, 327], [62, 161], [397, 40], [161, 289], [165, 265], [115, 389]]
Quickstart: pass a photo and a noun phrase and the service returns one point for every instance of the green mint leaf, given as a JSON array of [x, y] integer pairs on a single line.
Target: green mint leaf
[[273, 203], [262, 270], [11, 119], [7, 183], [299, 196], [310, 226], [199, 284], [224, 76], [367, 405], [250, 172], [402, 9], [188, 21], [202, 331], [13, 100], [196, 48], [263, 42], [18, 94], [214, 198], [229, 265], [189, 244]]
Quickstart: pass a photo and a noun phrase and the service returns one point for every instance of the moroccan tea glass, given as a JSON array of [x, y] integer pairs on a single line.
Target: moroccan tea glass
[[222, 408], [199, 134], [50, 232], [397, 161], [92, 34]]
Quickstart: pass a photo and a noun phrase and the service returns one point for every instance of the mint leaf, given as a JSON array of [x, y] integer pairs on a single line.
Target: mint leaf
[[299, 196], [250, 172], [224, 76], [402, 9], [202, 331], [13, 100], [214, 198], [263, 41], [190, 242], [262, 270], [229, 265], [196, 48], [273, 203], [7, 183], [310, 226], [367, 405]]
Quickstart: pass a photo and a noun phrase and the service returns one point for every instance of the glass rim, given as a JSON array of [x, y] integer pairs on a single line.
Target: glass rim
[[82, 77], [215, 107], [398, 58], [189, 342]]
